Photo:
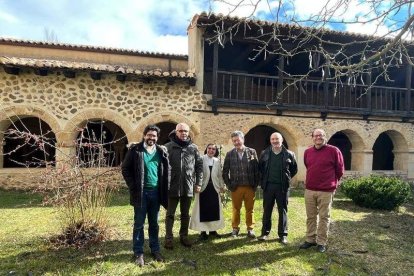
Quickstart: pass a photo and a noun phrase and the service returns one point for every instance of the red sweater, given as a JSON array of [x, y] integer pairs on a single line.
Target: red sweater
[[325, 166]]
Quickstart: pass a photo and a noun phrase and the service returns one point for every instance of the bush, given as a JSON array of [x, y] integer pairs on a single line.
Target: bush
[[377, 192]]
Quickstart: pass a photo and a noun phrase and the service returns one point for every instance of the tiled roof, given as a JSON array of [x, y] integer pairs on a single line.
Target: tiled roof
[[204, 19], [12, 41], [72, 65]]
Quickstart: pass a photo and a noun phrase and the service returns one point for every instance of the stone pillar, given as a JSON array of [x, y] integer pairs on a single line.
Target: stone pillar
[[400, 160], [64, 154], [410, 164], [366, 161], [301, 175]]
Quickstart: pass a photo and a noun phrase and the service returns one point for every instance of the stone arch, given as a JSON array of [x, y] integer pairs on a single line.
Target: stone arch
[[9, 115], [13, 113], [397, 150], [352, 147], [28, 142], [71, 128], [290, 134], [171, 117]]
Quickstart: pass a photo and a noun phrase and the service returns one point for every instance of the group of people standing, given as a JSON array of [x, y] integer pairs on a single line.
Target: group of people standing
[[170, 175]]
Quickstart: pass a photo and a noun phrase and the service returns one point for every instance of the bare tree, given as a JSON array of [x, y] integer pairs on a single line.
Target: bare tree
[[338, 57]]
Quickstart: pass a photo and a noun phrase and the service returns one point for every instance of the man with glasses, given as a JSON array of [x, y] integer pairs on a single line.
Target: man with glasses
[[186, 174], [324, 168], [146, 171]]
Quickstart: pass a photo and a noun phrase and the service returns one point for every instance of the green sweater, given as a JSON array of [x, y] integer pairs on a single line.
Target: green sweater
[[151, 162], [275, 169]]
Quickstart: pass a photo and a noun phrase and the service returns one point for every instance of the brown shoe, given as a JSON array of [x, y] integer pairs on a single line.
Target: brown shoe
[[169, 244], [139, 260], [157, 256], [185, 242]]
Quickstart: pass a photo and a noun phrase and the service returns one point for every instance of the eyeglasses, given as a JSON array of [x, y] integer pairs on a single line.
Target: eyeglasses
[[182, 130], [318, 135]]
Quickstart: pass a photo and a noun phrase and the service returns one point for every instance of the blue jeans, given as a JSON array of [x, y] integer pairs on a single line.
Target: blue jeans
[[151, 206]]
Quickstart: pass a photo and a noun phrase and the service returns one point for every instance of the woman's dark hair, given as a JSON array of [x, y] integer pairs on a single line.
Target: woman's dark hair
[[152, 128], [217, 151]]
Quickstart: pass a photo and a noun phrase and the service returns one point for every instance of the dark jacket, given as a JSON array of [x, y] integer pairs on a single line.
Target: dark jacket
[[231, 170], [133, 172], [289, 167], [186, 167]]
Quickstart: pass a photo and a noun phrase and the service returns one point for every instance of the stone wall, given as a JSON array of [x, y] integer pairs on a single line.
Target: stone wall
[[67, 103]]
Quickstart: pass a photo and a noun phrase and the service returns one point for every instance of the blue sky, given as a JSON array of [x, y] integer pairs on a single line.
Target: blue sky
[[145, 25]]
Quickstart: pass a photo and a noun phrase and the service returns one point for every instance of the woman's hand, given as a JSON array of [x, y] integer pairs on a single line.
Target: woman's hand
[[197, 189]]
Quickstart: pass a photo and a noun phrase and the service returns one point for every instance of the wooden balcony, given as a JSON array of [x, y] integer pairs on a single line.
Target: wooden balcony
[[261, 91]]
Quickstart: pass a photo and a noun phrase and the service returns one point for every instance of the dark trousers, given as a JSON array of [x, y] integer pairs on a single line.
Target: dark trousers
[[270, 195], [185, 203], [150, 207]]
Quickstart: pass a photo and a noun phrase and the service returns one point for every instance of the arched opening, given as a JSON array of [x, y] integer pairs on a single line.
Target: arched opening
[[383, 156], [342, 142], [29, 142], [101, 143], [259, 137], [166, 128]]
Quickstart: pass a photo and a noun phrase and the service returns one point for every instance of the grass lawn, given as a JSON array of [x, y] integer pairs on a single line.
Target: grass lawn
[[362, 242]]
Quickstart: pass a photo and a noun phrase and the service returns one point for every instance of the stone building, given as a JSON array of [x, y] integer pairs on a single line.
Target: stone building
[[67, 91]]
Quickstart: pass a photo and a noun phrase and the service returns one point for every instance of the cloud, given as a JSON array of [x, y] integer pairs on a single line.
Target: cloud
[[8, 18]]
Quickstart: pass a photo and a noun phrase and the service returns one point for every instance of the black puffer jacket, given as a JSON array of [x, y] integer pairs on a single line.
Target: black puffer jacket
[[186, 167], [289, 167], [133, 172]]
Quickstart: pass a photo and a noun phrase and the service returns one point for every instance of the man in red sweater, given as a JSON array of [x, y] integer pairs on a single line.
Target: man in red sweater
[[324, 168]]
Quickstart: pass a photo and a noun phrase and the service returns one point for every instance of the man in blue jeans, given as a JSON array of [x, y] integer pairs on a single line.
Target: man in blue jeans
[[146, 171]]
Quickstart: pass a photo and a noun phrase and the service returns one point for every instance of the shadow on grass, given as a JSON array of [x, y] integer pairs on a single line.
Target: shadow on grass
[[48, 260], [10, 199]]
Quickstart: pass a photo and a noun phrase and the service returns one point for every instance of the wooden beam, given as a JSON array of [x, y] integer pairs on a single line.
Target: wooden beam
[[170, 81], [12, 70], [121, 77], [215, 79], [69, 74], [41, 71], [96, 75], [408, 73], [192, 82]]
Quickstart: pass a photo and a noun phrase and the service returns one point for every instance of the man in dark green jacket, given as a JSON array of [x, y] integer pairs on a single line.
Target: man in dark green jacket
[[186, 172], [277, 166], [146, 171]]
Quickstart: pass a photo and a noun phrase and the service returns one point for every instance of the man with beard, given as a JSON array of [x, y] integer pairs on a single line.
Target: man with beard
[[324, 168], [146, 171], [186, 173]]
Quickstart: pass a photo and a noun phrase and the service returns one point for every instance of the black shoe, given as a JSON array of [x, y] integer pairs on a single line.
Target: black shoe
[[157, 256], [185, 242], [203, 236], [321, 248], [168, 244], [139, 260], [250, 234], [283, 240], [263, 238], [214, 234], [307, 245]]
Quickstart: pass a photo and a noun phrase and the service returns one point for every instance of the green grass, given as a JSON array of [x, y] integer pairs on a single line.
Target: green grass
[[362, 242]]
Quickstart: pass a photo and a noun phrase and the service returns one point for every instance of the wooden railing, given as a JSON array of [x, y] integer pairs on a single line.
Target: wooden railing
[[310, 94]]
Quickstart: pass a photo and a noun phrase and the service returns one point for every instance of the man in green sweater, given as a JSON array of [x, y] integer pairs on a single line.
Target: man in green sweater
[[277, 166], [146, 171]]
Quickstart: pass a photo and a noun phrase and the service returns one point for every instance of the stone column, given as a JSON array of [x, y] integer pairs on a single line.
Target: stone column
[[64, 154], [400, 160], [301, 175], [363, 161], [410, 164]]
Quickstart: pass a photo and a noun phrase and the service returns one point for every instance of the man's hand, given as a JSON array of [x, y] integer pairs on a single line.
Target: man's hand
[[197, 189]]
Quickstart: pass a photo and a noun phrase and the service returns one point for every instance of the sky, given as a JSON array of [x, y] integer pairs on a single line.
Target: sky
[[146, 25]]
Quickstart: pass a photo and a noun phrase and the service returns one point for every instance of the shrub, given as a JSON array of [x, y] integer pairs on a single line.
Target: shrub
[[377, 192]]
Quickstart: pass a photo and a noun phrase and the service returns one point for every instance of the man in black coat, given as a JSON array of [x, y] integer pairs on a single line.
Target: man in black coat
[[186, 172], [146, 171], [277, 166]]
